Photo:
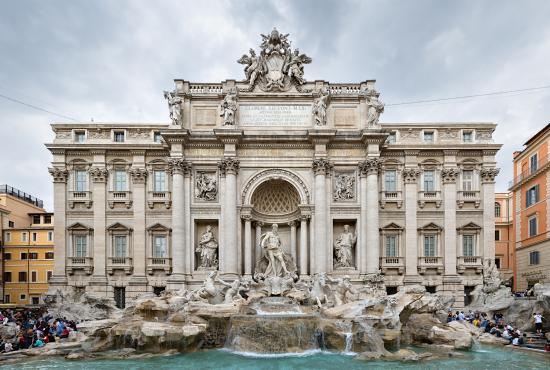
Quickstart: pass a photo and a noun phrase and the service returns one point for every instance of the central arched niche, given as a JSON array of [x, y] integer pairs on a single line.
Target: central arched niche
[[275, 201]]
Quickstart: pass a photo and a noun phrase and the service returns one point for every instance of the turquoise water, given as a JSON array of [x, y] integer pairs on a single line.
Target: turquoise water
[[483, 358]]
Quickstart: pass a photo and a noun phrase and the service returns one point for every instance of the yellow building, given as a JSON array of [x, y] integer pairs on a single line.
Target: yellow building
[[27, 247]]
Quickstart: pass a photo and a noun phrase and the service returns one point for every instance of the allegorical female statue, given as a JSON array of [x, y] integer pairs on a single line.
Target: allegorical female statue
[[207, 250], [343, 248]]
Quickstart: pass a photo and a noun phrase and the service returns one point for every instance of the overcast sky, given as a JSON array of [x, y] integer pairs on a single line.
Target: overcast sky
[[111, 60]]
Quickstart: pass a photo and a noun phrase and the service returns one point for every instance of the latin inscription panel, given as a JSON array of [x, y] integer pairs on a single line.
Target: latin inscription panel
[[275, 115]]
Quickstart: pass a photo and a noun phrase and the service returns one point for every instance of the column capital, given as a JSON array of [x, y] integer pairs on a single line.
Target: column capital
[[178, 166], [246, 217], [370, 166], [410, 175], [60, 175], [98, 174], [258, 224], [321, 166], [292, 224], [229, 165], [449, 175], [139, 175], [488, 174]]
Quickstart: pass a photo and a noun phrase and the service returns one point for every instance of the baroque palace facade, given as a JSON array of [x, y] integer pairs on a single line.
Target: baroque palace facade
[[144, 207]]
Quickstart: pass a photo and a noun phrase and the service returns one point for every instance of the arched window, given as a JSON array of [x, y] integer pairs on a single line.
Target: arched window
[[497, 209]]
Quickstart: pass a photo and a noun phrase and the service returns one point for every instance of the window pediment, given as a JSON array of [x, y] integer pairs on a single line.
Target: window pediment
[[471, 226], [159, 228], [79, 227], [391, 227], [430, 227], [117, 226]]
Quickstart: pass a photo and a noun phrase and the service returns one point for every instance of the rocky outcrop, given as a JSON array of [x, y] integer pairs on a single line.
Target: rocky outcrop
[[425, 328], [80, 307]]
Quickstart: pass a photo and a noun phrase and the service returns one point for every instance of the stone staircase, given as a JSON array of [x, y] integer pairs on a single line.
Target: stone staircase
[[535, 341]]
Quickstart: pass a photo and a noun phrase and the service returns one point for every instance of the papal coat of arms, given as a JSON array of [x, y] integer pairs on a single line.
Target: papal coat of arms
[[277, 67]]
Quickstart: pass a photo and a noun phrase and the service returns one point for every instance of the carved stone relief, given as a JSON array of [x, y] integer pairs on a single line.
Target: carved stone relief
[[206, 186], [344, 187]]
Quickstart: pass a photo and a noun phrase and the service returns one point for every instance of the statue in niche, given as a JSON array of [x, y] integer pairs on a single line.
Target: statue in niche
[[345, 187], [274, 262], [175, 106], [320, 109], [374, 108], [206, 187], [208, 250], [343, 247], [228, 108]]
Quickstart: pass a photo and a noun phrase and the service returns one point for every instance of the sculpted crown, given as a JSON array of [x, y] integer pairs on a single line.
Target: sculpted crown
[[488, 174], [370, 166], [277, 67]]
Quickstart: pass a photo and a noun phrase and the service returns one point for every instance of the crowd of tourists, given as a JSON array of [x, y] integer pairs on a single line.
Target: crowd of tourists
[[34, 327], [497, 326]]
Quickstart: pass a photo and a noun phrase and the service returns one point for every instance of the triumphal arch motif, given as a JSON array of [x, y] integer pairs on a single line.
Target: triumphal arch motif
[[272, 175]]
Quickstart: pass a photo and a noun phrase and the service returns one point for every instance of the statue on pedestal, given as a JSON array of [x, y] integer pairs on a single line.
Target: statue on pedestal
[[343, 256], [374, 108], [228, 108], [208, 250], [175, 106], [274, 261], [320, 109]]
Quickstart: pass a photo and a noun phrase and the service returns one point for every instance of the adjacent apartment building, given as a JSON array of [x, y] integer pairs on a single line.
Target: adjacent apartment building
[[27, 247], [504, 242], [531, 206]]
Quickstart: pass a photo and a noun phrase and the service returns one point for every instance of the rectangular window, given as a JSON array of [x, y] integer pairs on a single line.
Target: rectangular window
[[23, 237], [157, 138], [49, 275], [22, 297], [429, 246], [80, 180], [48, 219], [8, 237], [79, 136], [36, 219], [497, 263], [80, 245], [391, 246], [11, 224], [7, 276], [120, 180], [34, 276], [392, 138], [34, 237], [120, 246], [49, 255], [119, 136], [468, 245], [159, 246], [390, 180], [534, 258], [23, 256], [533, 163], [35, 300], [532, 196], [7, 256], [467, 136], [160, 181], [50, 236], [497, 235], [22, 276], [467, 180], [429, 180], [7, 298], [33, 256], [428, 136], [533, 226]]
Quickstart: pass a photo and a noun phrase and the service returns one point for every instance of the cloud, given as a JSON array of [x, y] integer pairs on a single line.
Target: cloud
[[111, 60]]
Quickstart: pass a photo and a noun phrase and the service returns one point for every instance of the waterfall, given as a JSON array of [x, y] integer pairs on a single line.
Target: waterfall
[[349, 343]]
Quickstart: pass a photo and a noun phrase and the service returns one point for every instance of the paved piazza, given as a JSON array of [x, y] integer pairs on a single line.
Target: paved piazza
[[147, 207]]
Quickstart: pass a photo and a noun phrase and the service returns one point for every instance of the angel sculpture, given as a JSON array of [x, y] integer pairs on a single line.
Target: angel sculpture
[[295, 65], [174, 104], [253, 69]]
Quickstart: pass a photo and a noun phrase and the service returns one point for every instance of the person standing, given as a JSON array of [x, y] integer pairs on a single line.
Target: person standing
[[538, 322]]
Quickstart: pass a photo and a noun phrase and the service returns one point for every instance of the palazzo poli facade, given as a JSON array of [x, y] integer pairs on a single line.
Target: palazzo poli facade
[[146, 207]]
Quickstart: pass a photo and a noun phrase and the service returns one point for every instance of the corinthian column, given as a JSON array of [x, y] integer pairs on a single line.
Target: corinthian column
[[303, 245], [410, 177], [139, 179], [178, 167], [449, 176], [488, 175], [60, 176], [320, 166], [370, 254], [230, 168], [99, 179]]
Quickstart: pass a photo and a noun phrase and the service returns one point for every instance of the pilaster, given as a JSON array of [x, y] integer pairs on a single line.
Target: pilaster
[[320, 166], [139, 180], [60, 176], [410, 178], [371, 252], [449, 176], [229, 167], [99, 175], [488, 175]]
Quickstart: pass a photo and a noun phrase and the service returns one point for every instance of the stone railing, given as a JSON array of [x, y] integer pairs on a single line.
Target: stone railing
[[159, 263], [465, 196], [387, 263], [120, 197], [80, 197], [119, 263], [159, 197], [465, 262], [432, 196], [205, 89], [391, 197], [345, 89], [425, 263], [80, 263]]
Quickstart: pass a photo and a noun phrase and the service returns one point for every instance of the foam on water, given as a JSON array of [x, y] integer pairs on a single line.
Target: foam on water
[[307, 353]]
